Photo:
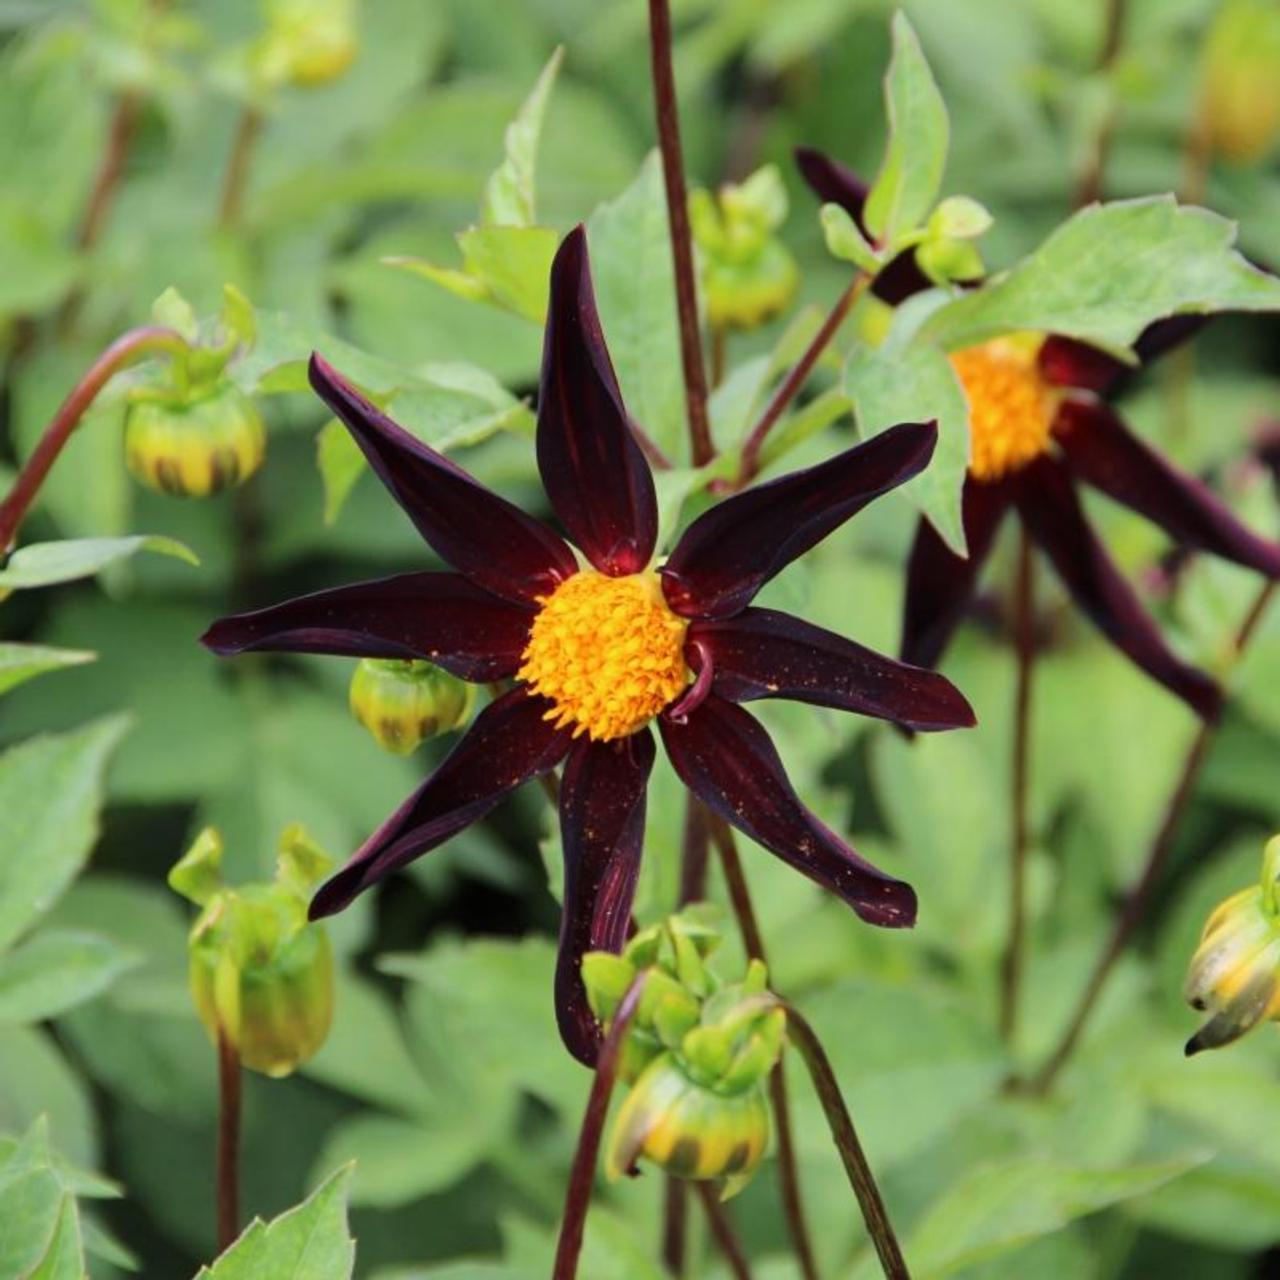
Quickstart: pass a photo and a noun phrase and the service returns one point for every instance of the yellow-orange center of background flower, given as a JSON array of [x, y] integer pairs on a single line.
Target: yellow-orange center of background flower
[[608, 652], [1011, 407]]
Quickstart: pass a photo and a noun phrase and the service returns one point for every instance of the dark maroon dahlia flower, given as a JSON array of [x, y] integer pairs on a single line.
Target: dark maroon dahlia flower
[[601, 645]]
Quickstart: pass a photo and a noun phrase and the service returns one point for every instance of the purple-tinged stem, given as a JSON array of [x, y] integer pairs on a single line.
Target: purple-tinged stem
[[722, 1230], [664, 94], [228, 1154], [583, 1174]]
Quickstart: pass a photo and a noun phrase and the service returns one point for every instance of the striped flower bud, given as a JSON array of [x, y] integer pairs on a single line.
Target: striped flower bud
[[1235, 973], [404, 703], [194, 447], [261, 975]]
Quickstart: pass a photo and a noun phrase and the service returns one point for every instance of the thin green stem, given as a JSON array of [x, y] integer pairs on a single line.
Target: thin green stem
[[129, 347]]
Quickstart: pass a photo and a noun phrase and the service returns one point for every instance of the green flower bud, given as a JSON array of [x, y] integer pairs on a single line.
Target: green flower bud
[[1240, 89], [403, 703], [194, 447], [748, 275], [261, 975], [1235, 973], [308, 42], [689, 1129]]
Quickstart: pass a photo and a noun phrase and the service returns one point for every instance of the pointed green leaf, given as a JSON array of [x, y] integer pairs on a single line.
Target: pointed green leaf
[[57, 970], [915, 384], [630, 247], [911, 175], [197, 875], [310, 1242], [1110, 271], [64, 1258], [43, 564], [513, 264], [50, 792], [844, 238], [509, 193], [22, 662]]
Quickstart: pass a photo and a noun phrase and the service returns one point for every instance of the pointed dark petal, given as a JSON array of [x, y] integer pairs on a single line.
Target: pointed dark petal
[[438, 616], [1067, 362], [509, 743], [940, 584], [733, 549], [592, 468], [1102, 450], [1051, 511], [761, 653], [1064, 362], [832, 182], [724, 756], [602, 802], [470, 527]]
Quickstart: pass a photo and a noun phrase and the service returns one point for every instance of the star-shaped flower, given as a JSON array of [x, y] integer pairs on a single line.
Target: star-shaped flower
[[1038, 423], [601, 643]]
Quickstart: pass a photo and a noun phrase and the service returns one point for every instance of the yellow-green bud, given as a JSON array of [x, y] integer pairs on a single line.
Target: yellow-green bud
[[308, 42], [261, 975], [192, 448], [748, 274], [404, 703], [1235, 972], [1240, 89], [689, 1129]]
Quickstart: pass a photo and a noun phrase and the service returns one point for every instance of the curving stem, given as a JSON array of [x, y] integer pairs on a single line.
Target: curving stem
[[123, 351]]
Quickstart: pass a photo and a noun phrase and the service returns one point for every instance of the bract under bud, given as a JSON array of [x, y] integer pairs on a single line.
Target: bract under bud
[[748, 274], [308, 42], [1235, 973], [261, 975], [1240, 90], [404, 703], [192, 447]]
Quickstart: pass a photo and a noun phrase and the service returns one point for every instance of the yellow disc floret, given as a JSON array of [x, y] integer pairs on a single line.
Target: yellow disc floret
[[608, 653], [1011, 407]]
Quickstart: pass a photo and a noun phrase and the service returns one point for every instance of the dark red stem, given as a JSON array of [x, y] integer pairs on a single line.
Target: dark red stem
[[722, 1230], [583, 1175], [861, 1179], [1139, 896], [1024, 638], [796, 379], [124, 350], [228, 1156], [753, 942], [664, 94]]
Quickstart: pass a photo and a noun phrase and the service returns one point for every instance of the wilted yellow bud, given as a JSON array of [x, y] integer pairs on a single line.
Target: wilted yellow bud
[[1235, 972], [1240, 89], [748, 274], [261, 975], [192, 448], [308, 42], [404, 703]]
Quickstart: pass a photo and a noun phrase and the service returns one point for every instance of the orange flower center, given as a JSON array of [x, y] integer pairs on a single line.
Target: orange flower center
[[1011, 407], [608, 653]]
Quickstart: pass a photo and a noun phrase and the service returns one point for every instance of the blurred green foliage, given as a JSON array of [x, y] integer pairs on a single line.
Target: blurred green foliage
[[444, 1078]]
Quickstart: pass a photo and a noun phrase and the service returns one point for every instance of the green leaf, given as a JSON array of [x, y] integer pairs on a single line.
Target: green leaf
[[911, 175], [915, 384], [513, 264], [35, 269], [42, 564], [509, 193], [311, 1242], [22, 662], [64, 1258], [844, 238], [998, 1207], [57, 970], [630, 249], [1107, 273], [50, 792]]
